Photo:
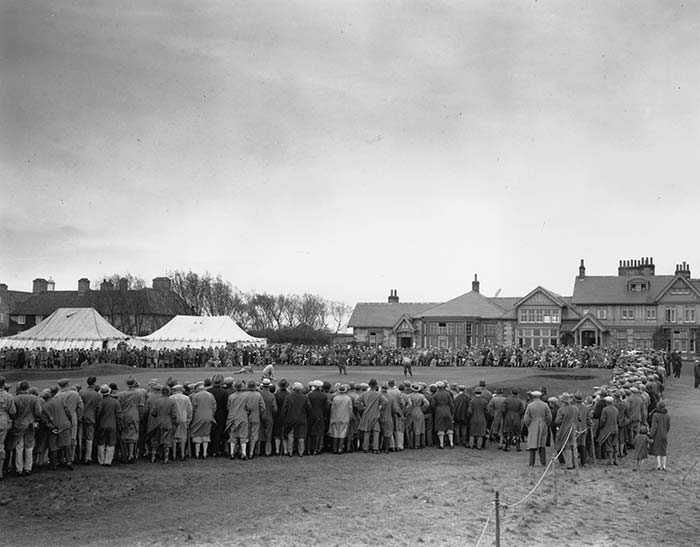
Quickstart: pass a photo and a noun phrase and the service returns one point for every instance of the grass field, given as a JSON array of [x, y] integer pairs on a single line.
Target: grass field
[[409, 498]]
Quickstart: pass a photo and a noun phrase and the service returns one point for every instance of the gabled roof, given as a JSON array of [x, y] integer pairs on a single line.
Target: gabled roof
[[404, 318], [554, 297], [590, 317], [140, 301], [683, 281], [383, 314], [13, 297], [609, 289], [67, 328], [471, 304]]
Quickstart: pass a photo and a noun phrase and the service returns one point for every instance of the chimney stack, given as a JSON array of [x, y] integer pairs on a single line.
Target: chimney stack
[[161, 283], [106, 286], [582, 270], [3, 287], [83, 285], [50, 285], [39, 285], [683, 270], [123, 285], [475, 284], [393, 297]]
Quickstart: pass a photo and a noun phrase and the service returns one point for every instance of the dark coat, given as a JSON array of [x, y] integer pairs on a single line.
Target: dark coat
[[295, 409], [513, 410], [221, 396], [477, 416], [660, 425], [109, 414], [319, 408], [461, 408]]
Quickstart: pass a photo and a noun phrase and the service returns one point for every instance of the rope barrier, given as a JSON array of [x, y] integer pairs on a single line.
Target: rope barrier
[[486, 524], [546, 469]]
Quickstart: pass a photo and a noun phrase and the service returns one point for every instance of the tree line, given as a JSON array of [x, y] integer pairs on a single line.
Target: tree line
[[303, 318]]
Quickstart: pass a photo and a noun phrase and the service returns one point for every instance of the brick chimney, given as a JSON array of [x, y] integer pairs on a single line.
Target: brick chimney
[[83, 285], [106, 286], [582, 270], [3, 287], [161, 283], [475, 284], [393, 297], [123, 284], [39, 285], [683, 270], [643, 266], [50, 285]]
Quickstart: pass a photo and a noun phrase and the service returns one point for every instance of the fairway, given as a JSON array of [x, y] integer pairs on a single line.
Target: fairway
[[556, 380]]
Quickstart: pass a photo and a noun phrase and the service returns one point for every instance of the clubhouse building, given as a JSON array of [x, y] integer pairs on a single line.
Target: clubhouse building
[[634, 309]]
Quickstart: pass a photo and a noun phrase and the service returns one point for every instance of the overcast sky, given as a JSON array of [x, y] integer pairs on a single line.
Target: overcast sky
[[350, 148]]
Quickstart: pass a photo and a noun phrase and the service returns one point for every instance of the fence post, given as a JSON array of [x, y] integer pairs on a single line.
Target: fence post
[[498, 520]]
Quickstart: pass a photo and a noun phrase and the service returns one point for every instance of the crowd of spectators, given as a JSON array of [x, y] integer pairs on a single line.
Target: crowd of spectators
[[346, 355]]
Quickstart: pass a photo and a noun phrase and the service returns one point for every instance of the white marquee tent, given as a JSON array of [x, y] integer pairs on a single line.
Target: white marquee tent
[[68, 328], [188, 330]]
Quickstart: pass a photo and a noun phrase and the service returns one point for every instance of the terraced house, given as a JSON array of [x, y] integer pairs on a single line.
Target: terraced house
[[634, 309]]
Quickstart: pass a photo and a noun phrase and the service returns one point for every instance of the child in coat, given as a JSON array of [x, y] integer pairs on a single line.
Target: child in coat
[[641, 444]]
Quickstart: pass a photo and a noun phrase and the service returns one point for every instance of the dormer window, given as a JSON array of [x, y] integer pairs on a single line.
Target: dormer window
[[638, 285]]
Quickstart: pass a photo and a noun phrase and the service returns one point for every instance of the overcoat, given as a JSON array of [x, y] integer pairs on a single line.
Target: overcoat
[[537, 418]]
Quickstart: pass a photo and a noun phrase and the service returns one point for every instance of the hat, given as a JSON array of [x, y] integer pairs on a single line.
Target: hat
[[63, 382], [229, 380], [482, 383], [415, 387], [385, 386], [104, 390], [499, 390], [130, 381], [478, 391], [45, 393], [609, 399], [342, 388], [178, 387], [578, 397], [91, 380], [296, 386], [440, 383], [461, 387], [218, 379], [536, 394], [266, 382], [252, 384], [282, 383]]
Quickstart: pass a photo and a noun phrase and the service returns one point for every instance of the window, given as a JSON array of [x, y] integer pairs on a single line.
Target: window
[[537, 338], [489, 330], [651, 313], [38, 319], [601, 313], [442, 329], [692, 345], [627, 312], [21, 319], [433, 328], [680, 289], [540, 316], [689, 314], [670, 315], [2, 317], [638, 286], [372, 338], [459, 329]]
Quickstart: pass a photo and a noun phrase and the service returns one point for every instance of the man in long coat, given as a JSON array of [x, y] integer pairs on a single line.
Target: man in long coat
[[317, 425], [108, 421], [28, 412], [220, 394], [203, 412], [478, 419], [91, 403], [132, 403], [341, 414], [56, 416], [294, 415], [567, 424], [255, 406], [607, 431], [183, 408], [161, 425], [513, 409], [443, 412], [537, 419], [74, 404], [461, 422], [371, 403], [267, 420]]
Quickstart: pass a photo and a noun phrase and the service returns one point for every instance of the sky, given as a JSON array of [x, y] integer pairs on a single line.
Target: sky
[[348, 148]]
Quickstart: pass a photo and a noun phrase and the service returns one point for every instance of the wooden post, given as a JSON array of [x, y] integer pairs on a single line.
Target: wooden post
[[498, 520]]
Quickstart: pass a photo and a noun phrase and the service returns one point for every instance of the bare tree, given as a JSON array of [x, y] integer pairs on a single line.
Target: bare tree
[[134, 282], [340, 315]]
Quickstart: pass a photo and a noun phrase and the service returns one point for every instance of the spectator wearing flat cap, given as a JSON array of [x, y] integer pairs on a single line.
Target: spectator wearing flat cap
[[255, 406], [74, 404], [607, 431], [91, 402], [478, 419], [461, 419], [370, 404], [183, 409], [220, 394], [28, 412], [57, 418], [162, 425], [416, 424], [278, 434], [237, 422], [267, 420], [132, 402], [320, 405], [7, 413], [537, 419], [341, 413], [513, 410], [294, 415], [443, 412], [203, 413], [108, 423]]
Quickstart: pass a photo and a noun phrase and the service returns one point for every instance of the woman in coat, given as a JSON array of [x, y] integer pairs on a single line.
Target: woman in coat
[[660, 425], [443, 411], [108, 421], [537, 419]]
